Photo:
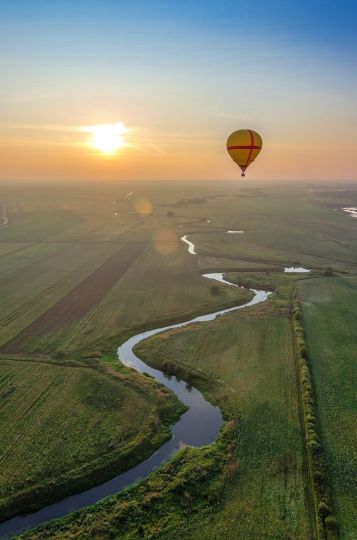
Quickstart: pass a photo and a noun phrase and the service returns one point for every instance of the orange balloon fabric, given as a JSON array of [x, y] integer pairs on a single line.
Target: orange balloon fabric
[[244, 146]]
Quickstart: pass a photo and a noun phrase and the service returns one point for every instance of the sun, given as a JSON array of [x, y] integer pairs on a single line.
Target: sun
[[107, 138]]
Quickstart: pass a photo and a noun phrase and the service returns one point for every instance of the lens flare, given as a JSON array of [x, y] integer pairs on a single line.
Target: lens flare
[[143, 206], [165, 241]]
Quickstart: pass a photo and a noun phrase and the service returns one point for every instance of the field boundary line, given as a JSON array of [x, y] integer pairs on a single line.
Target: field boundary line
[[326, 526], [76, 303], [54, 363], [309, 490]]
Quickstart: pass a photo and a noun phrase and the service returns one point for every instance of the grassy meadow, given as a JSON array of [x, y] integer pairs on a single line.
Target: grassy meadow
[[66, 426], [261, 491], [66, 248], [250, 355], [330, 316]]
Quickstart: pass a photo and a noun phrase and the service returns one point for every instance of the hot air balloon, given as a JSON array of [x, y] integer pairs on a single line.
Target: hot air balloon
[[243, 146]]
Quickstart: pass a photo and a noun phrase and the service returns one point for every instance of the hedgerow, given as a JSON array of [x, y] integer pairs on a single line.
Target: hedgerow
[[326, 522]]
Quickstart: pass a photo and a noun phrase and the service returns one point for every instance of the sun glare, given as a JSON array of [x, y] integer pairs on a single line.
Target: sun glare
[[107, 138]]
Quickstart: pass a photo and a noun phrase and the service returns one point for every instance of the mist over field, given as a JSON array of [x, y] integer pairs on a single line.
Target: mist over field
[[178, 270], [85, 268]]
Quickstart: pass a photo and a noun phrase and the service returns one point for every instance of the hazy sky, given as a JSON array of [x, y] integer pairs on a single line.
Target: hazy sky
[[181, 75]]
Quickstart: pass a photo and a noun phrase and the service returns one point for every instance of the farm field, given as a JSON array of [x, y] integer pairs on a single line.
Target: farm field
[[82, 270], [63, 425], [231, 359], [330, 317], [242, 352], [86, 295]]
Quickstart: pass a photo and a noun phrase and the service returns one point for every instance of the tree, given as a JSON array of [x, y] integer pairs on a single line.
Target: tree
[[324, 509]]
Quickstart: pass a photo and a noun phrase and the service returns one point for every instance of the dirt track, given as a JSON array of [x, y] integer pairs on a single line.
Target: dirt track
[[80, 300]]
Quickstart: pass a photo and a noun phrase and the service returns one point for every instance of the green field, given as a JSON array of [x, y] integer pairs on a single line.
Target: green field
[[65, 427], [330, 315], [82, 269], [244, 351], [240, 353]]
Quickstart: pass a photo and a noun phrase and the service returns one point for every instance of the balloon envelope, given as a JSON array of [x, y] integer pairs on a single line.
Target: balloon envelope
[[244, 146]]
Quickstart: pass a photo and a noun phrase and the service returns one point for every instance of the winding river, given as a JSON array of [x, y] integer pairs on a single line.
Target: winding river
[[198, 426], [191, 245]]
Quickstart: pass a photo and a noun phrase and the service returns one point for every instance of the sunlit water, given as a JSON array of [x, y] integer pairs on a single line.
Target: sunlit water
[[295, 270], [191, 245], [351, 211], [288, 270]]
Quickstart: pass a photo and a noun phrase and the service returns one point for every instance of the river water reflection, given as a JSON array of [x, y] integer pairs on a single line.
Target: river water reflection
[[198, 426]]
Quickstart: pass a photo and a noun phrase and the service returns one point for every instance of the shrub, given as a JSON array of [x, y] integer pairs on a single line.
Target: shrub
[[331, 523], [314, 446], [324, 509], [315, 451]]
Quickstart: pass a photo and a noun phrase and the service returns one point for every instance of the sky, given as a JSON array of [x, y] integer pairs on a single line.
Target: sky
[[180, 75]]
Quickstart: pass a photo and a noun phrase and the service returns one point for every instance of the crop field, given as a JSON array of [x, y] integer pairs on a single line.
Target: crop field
[[62, 424], [329, 307], [29, 292], [172, 290], [279, 229], [82, 269], [75, 304], [266, 496]]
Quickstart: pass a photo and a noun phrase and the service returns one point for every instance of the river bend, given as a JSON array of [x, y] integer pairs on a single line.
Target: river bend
[[198, 426]]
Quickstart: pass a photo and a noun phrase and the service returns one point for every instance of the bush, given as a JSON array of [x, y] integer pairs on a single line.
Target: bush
[[315, 450], [314, 446], [324, 509], [331, 523]]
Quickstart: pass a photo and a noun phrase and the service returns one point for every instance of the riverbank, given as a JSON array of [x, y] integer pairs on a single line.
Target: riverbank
[[114, 391], [47, 254], [199, 426]]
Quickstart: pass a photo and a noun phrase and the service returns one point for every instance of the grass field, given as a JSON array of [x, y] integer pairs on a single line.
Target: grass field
[[63, 426], [80, 300], [244, 351], [240, 353], [71, 290], [330, 316]]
